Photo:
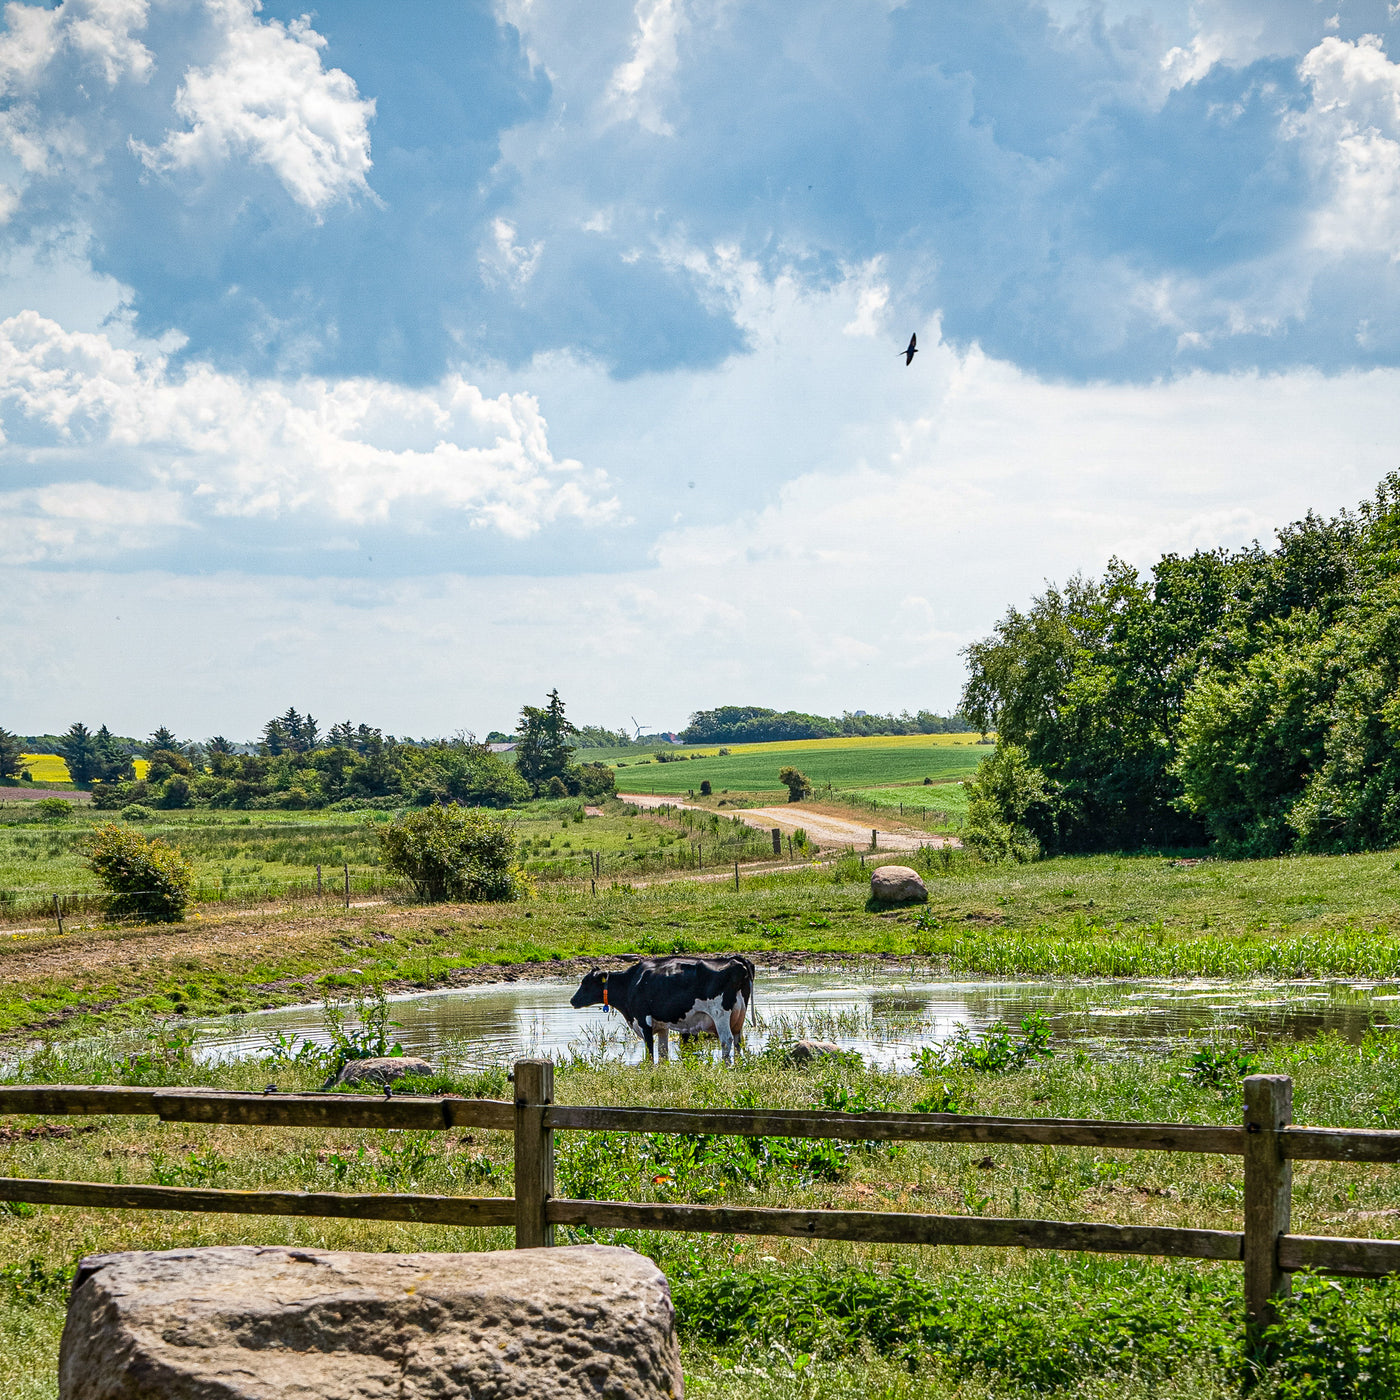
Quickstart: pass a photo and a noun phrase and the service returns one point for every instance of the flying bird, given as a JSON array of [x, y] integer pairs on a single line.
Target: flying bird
[[912, 350]]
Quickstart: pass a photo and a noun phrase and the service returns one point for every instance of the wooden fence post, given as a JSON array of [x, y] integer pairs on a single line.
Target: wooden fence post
[[777, 841], [1268, 1197], [534, 1153], [347, 885], [58, 913], [874, 838]]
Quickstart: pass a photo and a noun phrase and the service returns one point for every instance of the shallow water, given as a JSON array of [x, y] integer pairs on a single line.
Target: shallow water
[[885, 1015]]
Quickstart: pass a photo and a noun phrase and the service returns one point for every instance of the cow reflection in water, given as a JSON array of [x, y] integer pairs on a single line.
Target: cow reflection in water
[[691, 996]]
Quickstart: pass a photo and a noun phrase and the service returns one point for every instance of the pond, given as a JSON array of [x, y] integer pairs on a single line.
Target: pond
[[887, 1016]]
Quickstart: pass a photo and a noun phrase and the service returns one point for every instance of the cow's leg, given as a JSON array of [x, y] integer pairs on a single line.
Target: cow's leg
[[663, 1045], [736, 1021], [647, 1040], [726, 1039]]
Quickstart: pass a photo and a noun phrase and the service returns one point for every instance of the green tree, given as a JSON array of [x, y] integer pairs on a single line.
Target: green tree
[[1002, 796], [111, 762], [10, 749], [453, 853], [144, 878], [76, 749], [797, 783], [162, 738], [542, 748]]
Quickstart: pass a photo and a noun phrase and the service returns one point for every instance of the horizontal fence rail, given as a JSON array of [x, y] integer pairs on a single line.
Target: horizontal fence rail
[[1267, 1141]]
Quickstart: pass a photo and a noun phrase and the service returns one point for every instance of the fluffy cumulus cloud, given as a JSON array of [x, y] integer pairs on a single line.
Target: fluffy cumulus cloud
[[314, 456], [267, 98]]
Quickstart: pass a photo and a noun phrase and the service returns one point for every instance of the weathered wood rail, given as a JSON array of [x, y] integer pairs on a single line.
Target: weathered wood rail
[[1267, 1141]]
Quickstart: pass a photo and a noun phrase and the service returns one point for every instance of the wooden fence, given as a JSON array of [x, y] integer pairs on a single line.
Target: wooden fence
[[1267, 1140]]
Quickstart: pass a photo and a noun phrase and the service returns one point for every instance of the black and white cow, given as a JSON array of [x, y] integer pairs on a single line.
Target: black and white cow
[[691, 996]]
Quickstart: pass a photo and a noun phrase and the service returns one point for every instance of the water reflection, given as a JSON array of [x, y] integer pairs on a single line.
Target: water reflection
[[886, 1016]]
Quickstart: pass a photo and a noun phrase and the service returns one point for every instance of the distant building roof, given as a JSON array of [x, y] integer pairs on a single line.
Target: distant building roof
[[500, 748]]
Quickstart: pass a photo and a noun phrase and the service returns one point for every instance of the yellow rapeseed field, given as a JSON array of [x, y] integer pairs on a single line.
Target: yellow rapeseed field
[[50, 767], [45, 767]]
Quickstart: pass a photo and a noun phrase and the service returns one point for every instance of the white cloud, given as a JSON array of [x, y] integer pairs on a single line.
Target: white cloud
[[1352, 134], [268, 99], [82, 520], [505, 260], [634, 86], [99, 33], [69, 44], [351, 451]]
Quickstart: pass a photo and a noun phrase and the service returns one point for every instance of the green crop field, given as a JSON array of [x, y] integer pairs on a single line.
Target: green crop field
[[914, 800], [843, 763]]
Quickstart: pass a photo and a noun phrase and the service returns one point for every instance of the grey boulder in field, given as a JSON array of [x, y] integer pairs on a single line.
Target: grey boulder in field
[[897, 884], [380, 1071], [245, 1323]]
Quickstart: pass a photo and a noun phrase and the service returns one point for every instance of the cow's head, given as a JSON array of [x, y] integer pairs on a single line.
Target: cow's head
[[592, 990]]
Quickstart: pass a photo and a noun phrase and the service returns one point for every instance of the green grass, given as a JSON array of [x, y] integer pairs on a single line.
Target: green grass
[[781, 1317], [754, 768], [917, 801], [1073, 917], [246, 857]]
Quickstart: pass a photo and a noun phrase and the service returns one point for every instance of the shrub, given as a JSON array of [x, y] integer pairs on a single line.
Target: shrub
[[797, 784], [1000, 797], [53, 809], [705, 789], [135, 812], [144, 878], [453, 853]]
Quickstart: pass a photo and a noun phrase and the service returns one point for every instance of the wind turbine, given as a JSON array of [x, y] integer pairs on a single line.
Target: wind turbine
[[636, 738]]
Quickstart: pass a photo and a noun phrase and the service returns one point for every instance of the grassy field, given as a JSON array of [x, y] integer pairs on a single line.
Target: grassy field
[[248, 856], [1075, 917], [842, 763], [771, 1317], [916, 800]]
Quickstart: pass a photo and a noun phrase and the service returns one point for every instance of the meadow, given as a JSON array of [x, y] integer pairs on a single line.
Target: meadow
[[752, 769], [771, 1317], [252, 856]]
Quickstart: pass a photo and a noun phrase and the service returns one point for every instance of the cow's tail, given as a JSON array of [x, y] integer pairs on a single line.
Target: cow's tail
[[753, 1011]]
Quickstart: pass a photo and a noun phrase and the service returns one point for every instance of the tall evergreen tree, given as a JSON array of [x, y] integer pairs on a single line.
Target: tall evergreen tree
[[76, 749], [542, 749], [111, 763], [162, 738], [9, 755]]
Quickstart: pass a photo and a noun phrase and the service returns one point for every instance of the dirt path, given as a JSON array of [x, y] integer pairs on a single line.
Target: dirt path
[[824, 829]]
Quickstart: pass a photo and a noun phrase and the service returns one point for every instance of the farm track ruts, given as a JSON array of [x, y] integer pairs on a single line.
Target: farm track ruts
[[822, 825]]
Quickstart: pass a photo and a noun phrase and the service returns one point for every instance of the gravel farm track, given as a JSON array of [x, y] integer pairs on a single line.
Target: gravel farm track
[[822, 827]]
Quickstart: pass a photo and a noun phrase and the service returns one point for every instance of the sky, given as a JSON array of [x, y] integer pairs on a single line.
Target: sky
[[400, 363]]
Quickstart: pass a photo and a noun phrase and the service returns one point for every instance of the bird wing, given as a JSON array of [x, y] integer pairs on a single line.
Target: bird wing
[[914, 341]]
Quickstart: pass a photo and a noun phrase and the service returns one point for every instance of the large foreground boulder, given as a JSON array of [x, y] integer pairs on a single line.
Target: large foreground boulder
[[245, 1323], [380, 1070], [897, 884]]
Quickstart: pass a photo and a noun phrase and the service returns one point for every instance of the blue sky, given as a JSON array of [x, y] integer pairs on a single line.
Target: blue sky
[[401, 362]]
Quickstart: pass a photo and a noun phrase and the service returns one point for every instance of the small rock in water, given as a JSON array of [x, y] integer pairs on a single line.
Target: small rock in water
[[245, 1323], [803, 1052], [382, 1070], [897, 884]]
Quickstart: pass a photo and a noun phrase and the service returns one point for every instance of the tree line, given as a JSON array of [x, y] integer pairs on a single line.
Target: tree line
[[295, 766], [752, 724], [1248, 699]]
